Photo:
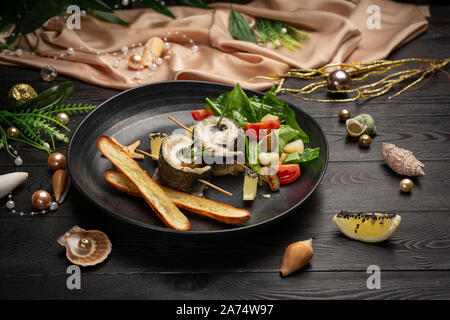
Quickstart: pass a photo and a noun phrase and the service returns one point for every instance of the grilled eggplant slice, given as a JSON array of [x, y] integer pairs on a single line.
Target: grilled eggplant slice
[[177, 168]]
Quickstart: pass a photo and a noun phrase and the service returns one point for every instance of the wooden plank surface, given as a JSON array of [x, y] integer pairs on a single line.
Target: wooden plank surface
[[415, 262]]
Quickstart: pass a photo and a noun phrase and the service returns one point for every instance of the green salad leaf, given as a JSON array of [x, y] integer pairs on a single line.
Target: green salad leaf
[[307, 155]]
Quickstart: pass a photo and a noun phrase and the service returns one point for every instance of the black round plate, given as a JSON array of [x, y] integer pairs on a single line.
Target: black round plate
[[133, 114]]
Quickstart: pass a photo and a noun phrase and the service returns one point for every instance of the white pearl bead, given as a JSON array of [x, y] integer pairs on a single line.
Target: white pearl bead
[[18, 52], [53, 206], [167, 57], [283, 30], [195, 48], [124, 49], [159, 61], [277, 43], [166, 45], [125, 2], [10, 204], [46, 145], [116, 63], [70, 51], [138, 75], [18, 161], [154, 66]]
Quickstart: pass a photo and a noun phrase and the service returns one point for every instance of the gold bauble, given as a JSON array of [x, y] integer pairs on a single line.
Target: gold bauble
[[135, 61], [13, 132], [364, 140], [62, 118], [344, 114], [406, 185], [20, 94]]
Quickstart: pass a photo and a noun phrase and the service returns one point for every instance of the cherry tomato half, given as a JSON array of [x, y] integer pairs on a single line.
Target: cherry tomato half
[[199, 115], [288, 172], [258, 129]]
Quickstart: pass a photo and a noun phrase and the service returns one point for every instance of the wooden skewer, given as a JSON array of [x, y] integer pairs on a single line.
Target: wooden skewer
[[199, 180], [180, 124], [147, 154], [215, 187], [245, 167]]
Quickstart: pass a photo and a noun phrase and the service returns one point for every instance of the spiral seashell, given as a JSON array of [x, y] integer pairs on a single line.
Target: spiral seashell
[[401, 160], [98, 250], [296, 256], [10, 181]]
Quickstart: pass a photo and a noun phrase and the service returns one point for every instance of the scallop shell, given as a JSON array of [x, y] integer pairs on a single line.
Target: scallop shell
[[100, 249], [401, 160]]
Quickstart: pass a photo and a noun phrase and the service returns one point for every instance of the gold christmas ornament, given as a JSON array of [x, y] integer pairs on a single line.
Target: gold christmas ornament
[[364, 140], [62, 118], [344, 114], [48, 73], [339, 80], [401, 160], [21, 94], [13, 132], [358, 71], [406, 185]]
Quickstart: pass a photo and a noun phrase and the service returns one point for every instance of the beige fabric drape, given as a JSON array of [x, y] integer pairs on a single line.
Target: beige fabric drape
[[338, 33]]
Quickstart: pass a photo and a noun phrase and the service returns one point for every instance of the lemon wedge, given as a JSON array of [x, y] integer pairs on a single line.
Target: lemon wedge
[[367, 227], [355, 128]]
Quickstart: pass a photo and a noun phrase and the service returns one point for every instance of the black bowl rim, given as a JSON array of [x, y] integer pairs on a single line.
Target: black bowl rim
[[190, 232]]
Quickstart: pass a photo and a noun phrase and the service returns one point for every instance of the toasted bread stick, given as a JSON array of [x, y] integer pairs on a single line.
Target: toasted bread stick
[[149, 189], [214, 210]]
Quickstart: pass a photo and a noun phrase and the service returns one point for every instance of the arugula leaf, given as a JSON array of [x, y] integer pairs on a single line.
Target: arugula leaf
[[239, 109], [307, 155], [239, 28]]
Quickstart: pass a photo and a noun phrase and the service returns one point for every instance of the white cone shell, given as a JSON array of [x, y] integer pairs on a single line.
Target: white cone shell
[[10, 181]]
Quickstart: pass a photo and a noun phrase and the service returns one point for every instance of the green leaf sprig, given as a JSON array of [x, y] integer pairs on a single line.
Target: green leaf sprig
[[36, 119], [277, 32], [28, 15]]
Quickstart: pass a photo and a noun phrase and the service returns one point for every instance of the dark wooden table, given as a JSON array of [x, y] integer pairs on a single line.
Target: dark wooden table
[[414, 263]]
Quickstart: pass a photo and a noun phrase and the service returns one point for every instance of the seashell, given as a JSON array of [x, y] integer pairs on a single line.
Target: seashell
[[296, 256], [98, 250], [10, 181], [401, 160], [355, 128], [367, 120], [61, 184]]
